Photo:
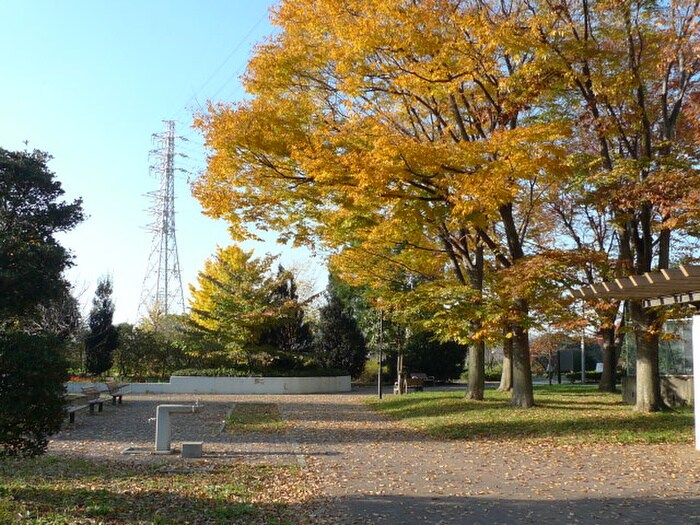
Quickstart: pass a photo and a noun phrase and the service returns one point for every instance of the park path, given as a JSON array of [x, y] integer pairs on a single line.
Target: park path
[[381, 472], [378, 471]]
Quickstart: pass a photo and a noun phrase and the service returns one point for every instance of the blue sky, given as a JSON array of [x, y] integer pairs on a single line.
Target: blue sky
[[90, 82]]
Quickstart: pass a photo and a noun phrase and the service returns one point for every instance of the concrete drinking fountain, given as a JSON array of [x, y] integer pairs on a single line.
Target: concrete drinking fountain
[[192, 449], [163, 426]]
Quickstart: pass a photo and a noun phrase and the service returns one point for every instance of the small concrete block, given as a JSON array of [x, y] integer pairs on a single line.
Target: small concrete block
[[192, 449]]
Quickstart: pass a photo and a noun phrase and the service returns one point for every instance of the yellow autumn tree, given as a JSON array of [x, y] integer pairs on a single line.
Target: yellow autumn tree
[[239, 305], [395, 128]]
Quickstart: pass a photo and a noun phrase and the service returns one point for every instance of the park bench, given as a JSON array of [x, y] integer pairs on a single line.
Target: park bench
[[94, 399], [414, 384], [411, 384], [72, 409], [116, 390], [427, 380]]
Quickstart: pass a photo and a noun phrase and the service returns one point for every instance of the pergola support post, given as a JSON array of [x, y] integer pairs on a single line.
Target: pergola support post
[[696, 377]]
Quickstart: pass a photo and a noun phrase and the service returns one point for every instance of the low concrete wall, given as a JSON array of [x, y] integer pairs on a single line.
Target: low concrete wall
[[236, 385], [675, 390]]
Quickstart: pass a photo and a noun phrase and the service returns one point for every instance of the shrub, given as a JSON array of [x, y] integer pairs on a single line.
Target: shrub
[[32, 373], [490, 374], [369, 373], [590, 376], [235, 372], [494, 373]]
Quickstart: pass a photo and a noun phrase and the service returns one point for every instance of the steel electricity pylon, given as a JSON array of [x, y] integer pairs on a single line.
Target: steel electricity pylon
[[161, 293]]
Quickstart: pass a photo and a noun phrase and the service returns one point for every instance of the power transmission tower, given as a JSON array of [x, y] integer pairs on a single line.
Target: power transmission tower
[[161, 293]]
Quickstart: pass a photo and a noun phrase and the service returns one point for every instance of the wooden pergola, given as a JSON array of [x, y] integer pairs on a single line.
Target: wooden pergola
[[674, 286]]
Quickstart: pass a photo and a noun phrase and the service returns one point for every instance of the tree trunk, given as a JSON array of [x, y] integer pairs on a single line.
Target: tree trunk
[[522, 395], [476, 372], [477, 350], [507, 372], [648, 384], [400, 374], [609, 378]]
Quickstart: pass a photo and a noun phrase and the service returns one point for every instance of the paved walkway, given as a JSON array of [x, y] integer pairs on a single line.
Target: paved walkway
[[380, 472]]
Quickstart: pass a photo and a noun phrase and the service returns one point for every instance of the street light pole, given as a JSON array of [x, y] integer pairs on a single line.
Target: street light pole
[[379, 358], [583, 348]]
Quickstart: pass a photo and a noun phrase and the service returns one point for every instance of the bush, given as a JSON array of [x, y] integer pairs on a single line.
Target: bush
[[590, 376], [493, 374], [32, 373], [490, 374], [236, 372], [369, 373]]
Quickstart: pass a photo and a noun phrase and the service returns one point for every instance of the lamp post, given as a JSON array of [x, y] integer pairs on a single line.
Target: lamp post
[[583, 346], [379, 356]]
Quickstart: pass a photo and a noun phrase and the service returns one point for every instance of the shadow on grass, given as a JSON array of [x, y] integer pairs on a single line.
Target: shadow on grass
[[45, 490], [35, 491], [567, 414], [609, 429]]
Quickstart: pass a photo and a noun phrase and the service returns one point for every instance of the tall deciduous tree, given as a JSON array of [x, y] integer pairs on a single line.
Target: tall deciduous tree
[[630, 71], [431, 130], [103, 337], [372, 118], [228, 306]]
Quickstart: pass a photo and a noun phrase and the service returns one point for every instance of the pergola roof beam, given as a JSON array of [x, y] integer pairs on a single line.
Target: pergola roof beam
[[670, 286]]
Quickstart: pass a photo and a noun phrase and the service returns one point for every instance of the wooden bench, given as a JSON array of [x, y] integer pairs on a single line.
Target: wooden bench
[[414, 384], [427, 380], [115, 390], [410, 384], [94, 399], [72, 409]]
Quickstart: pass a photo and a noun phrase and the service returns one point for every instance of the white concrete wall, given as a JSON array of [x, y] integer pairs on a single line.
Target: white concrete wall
[[675, 390], [236, 385]]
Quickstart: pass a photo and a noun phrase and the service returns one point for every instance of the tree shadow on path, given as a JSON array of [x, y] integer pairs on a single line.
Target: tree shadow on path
[[379, 510]]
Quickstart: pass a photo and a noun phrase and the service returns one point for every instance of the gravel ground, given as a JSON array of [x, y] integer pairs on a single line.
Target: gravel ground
[[377, 471], [131, 425]]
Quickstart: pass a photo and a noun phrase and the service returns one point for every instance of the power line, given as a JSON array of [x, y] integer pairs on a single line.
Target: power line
[[225, 61]]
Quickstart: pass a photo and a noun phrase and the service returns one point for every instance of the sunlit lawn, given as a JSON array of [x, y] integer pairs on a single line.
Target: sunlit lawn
[[52, 491], [256, 417], [564, 414]]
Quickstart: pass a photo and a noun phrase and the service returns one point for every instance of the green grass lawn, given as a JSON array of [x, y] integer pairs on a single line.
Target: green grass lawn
[[61, 491], [563, 415], [256, 417]]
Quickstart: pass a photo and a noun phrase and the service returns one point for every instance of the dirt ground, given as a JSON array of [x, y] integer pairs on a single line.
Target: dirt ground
[[377, 471]]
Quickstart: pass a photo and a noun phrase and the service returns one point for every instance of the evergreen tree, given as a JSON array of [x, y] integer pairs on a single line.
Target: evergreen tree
[[442, 360], [339, 342], [288, 332], [103, 338], [31, 213], [37, 312]]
